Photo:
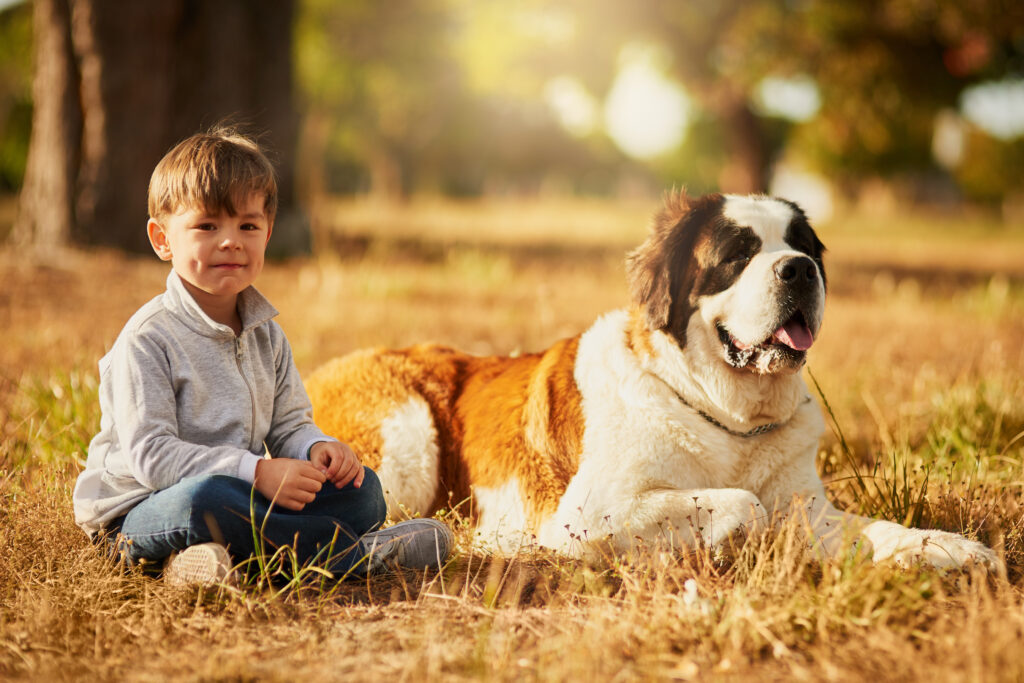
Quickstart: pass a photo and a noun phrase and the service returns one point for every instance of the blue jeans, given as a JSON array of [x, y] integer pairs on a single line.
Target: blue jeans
[[217, 508]]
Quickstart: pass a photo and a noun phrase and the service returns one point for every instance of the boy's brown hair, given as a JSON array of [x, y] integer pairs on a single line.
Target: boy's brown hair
[[216, 171]]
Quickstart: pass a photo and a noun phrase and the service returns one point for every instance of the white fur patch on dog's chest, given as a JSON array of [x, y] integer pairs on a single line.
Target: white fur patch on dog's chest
[[637, 429]]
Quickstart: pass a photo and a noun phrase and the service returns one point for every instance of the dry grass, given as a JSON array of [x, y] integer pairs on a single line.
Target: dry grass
[[921, 363]]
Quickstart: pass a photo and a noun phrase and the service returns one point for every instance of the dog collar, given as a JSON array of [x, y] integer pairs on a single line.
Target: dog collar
[[756, 431]]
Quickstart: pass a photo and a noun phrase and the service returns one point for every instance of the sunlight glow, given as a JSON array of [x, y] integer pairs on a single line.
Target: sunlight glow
[[646, 114], [811, 191], [996, 107], [796, 98], [949, 139], [574, 106]]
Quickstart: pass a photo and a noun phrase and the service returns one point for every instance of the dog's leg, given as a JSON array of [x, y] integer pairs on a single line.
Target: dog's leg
[[679, 519], [799, 491], [834, 530]]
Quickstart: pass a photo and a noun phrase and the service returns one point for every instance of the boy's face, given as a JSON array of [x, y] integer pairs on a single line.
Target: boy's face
[[215, 256]]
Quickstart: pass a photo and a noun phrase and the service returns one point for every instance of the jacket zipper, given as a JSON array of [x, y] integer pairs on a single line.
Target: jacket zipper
[[252, 396]]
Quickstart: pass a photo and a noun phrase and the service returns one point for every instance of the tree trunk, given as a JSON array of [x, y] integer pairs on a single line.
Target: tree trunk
[[126, 49], [746, 168], [385, 176], [45, 211], [233, 62], [153, 73], [311, 175]]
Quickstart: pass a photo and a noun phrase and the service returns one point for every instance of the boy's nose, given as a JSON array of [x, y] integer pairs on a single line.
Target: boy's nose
[[231, 242]]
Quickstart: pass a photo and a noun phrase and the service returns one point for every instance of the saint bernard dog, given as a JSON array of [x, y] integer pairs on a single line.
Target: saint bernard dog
[[683, 419]]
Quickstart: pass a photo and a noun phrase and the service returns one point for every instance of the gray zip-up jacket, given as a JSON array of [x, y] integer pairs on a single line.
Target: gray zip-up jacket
[[181, 396]]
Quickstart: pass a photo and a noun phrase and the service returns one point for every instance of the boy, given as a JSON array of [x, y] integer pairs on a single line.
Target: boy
[[201, 383]]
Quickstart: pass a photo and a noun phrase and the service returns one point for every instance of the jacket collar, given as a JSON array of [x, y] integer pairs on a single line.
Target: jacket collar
[[253, 308]]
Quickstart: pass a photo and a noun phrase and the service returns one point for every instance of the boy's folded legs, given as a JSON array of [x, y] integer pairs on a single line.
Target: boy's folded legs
[[218, 509], [225, 510]]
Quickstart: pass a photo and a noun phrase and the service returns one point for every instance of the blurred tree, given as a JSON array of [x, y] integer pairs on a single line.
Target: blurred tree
[[45, 213], [378, 82], [434, 96], [129, 79], [885, 69], [993, 170], [449, 94], [15, 93], [713, 59]]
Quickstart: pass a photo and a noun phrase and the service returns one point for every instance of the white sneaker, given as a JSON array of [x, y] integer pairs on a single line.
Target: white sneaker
[[203, 564], [415, 544]]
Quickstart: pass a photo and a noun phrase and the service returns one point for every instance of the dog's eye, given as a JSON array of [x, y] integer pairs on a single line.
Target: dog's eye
[[738, 257]]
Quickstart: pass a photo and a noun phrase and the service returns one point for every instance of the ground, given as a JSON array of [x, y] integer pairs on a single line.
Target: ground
[[921, 373]]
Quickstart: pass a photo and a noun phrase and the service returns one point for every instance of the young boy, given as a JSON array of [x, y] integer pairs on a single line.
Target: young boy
[[200, 384]]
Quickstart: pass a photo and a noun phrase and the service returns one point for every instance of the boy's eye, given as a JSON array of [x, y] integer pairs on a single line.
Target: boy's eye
[[250, 226], [206, 226]]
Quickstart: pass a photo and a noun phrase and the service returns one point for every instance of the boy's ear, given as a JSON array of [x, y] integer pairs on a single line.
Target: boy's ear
[[158, 238]]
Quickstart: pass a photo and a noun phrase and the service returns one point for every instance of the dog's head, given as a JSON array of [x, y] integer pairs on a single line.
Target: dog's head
[[749, 269]]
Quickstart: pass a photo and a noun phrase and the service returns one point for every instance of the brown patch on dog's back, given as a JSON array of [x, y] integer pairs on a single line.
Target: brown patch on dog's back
[[339, 412], [354, 394], [553, 424], [496, 418], [523, 418]]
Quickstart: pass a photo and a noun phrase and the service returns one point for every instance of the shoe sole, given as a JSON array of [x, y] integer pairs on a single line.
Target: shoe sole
[[204, 564]]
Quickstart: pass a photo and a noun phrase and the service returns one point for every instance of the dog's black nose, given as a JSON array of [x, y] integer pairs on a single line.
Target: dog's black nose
[[796, 270]]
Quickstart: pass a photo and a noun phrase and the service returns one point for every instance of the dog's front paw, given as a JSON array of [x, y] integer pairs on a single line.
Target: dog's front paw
[[939, 549]]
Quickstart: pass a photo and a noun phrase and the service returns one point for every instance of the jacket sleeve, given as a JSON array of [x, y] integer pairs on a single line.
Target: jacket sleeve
[[292, 431], [145, 415]]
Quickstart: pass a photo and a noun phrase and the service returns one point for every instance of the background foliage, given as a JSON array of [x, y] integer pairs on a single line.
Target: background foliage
[[454, 93], [457, 97]]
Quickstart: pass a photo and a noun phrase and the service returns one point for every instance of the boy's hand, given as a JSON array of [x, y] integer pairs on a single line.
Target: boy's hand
[[338, 463], [289, 483]]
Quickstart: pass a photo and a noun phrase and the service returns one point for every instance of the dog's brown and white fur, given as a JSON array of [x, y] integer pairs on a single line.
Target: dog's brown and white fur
[[685, 415]]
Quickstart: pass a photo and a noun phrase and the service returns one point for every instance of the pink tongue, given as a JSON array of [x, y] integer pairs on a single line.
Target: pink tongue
[[795, 335]]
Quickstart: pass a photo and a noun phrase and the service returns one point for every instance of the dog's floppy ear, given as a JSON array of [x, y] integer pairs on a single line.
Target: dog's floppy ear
[[649, 280], [656, 269]]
